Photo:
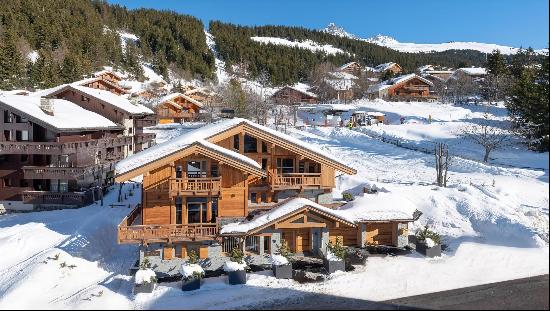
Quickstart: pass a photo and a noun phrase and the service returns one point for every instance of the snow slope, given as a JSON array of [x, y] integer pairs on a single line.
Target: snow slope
[[307, 44], [393, 44]]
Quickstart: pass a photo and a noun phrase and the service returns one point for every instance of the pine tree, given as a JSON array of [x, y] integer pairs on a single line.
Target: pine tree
[[11, 63], [71, 69]]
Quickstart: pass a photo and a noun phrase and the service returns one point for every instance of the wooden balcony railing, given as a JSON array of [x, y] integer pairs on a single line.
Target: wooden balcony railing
[[165, 233], [183, 114], [205, 184], [57, 148], [62, 198], [57, 172], [145, 122], [144, 137], [296, 180]]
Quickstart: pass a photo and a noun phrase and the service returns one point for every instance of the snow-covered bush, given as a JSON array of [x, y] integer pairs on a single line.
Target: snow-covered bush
[[422, 235], [279, 260], [144, 276], [237, 255], [336, 251], [284, 250], [191, 271], [232, 266], [193, 257]]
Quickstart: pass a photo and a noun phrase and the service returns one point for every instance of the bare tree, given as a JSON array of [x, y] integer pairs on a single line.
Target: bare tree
[[442, 162], [487, 134], [318, 77], [462, 87]]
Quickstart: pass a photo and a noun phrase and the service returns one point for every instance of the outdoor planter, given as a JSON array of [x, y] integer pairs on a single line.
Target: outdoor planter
[[145, 281], [282, 272], [333, 265], [192, 276], [237, 277], [424, 249], [190, 284], [236, 272], [282, 269]]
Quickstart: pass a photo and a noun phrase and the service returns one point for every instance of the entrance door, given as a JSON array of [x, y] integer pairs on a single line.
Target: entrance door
[[299, 240], [196, 210]]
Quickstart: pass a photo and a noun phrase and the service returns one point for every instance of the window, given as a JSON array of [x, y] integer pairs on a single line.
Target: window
[[267, 244], [228, 243], [264, 164], [264, 146], [250, 144], [301, 167], [236, 142], [130, 130], [196, 169], [196, 210], [179, 169], [252, 244], [7, 135], [179, 210], [253, 197], [285, 165], [7, 117], [214, 170], [214, 210]]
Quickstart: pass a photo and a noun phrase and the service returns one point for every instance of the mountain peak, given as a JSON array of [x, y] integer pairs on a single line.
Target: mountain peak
[[382, 40], [336, 30]]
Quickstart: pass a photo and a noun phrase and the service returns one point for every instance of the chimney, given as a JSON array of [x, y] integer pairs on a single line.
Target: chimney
[[46, 105]]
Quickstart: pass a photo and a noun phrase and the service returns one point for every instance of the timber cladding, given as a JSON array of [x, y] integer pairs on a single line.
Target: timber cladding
[[349, 236], [381, 233]]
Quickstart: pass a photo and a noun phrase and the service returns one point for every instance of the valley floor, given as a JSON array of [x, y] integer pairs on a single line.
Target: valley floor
[[493, 218]]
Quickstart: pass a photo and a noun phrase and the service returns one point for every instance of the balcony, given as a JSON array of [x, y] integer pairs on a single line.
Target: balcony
[[144, 138], [129, 233], [26, 147], [70, 173], [60, 198], [194, 186], [177, 115], [149, 121], [296, 181]]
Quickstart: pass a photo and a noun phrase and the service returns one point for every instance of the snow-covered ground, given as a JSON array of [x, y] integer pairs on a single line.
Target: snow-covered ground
[[492, 217], [306, 44]]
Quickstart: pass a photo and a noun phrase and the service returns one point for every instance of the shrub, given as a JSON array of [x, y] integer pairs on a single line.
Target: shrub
[[193, 257], [347, 196], [236, 255], [337, 249], [146, 264], [284, 250], [423, 234]]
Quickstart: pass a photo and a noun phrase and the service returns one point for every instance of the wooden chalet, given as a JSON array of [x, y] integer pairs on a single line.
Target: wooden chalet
[[394, 68], [103, 83], [218, 175], [133, 117], [289, 95], [54, 153], [405, 87], [176, 108], [108, 75], [340, 85], [353, 68]]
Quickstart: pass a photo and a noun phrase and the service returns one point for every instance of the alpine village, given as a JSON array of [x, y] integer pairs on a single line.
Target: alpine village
[[151, 161]]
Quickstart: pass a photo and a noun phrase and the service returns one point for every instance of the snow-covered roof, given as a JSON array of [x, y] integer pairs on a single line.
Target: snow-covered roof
[[344, 66], [342, 75], [171, 97], [385, 66], [66, 115], [396, 81], [382, 206], [474, 71], [118, 101], [201, 136], [106, 71], [280, 211], [300, 87]]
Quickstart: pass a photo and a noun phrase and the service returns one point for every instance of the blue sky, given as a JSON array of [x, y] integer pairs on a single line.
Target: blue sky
[[508, 22]]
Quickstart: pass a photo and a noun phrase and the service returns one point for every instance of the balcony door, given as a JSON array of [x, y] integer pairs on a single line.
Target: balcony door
[[196, 210], [196, 169]]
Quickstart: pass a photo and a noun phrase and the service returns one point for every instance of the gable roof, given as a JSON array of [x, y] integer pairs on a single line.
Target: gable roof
[[344, 66], [134, 164], [107, 97], [473, 71], [396, 81], [106, 71], [170, 97], [67, 116], [298, 88], [385, 66], [280, 212]]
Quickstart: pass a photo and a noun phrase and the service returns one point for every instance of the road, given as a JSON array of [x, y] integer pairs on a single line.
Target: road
[[522, 294]]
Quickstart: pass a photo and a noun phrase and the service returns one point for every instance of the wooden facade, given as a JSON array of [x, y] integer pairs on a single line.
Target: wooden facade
[[292, 96], [353, 68], [41, 164], [177, 108], [199, 186], [411, 88]]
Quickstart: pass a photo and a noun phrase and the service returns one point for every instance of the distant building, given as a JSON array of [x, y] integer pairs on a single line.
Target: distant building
[[409, 86], [353, 68], [341, 85], [289, 95], [392, 67], [54, 153], [476, 74], [176, 108]]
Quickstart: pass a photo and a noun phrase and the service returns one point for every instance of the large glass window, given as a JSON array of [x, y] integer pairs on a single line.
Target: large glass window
[[196, 210], [250, 144], [179, 171], [285, 165], [196, 169], [236, 142], [214, 210]]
